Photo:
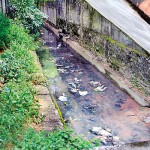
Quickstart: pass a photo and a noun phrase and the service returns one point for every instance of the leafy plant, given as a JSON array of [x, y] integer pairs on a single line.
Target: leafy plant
[[5, 27], [58, 140], [28, 14], [17, 95], [16, 106], [17, 62]]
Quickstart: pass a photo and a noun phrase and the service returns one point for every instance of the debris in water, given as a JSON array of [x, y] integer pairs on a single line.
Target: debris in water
[[115, 138], [73, 85], [63, 98], [62, 70], [58, 65], [105, 133], [95, 83], [107, 137], [59, 45], [83, 93], [72, 90], [107, 129], [66, 67], [77, 80], [96, 130], [100, 88]]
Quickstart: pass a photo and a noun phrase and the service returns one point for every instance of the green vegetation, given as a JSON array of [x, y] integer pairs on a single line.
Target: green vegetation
[[4, 26], [60, 140], [17, 62], [16, 93], [27, 13]]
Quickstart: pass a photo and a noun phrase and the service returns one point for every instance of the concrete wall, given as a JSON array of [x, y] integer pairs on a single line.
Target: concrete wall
[[49, 8], [102, 37]]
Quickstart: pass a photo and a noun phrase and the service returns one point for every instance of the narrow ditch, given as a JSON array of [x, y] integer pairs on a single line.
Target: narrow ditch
[[90, 103]]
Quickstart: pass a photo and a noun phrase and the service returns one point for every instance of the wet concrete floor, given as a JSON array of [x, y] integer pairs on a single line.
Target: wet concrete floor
[[111, 108]]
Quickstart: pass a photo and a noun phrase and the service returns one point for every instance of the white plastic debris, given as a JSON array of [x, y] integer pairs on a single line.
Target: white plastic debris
[[66, 67], [105, 133], [59, 45], [73, 85], [62, 70], [63, 98], [73, 90], [96, 130], [100, 88], [108, 130], [95, 83], [83, 93], [77, 80], [115, 138]]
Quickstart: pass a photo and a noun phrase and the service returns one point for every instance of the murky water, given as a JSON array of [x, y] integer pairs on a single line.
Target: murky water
[[111, 108]]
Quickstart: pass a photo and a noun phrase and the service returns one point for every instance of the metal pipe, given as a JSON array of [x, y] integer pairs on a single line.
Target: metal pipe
[[3, 6]]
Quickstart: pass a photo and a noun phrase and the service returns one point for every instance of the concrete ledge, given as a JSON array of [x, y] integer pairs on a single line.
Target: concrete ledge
[[48, 110], [41, 90], [98, 64]]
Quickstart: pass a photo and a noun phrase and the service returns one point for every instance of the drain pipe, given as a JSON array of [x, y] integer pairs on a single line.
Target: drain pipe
[[3, 6]]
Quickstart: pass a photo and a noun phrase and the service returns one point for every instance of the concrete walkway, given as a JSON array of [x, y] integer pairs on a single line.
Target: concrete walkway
[[125, 18]]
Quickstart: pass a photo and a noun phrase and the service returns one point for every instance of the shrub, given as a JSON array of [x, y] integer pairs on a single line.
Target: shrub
[[60, 140], [28, 14], [16, 62], [4, 26], [16, 106]]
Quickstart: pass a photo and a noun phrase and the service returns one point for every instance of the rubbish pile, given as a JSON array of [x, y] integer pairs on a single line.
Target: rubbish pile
[[106, 136]]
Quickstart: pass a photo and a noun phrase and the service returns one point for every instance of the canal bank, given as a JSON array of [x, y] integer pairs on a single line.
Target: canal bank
[[111, 108]]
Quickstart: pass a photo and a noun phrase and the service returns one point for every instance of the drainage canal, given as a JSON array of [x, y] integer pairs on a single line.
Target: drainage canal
[[90, 103]]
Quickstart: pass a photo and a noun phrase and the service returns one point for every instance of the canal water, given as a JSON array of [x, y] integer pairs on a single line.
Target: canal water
[[82, 105]]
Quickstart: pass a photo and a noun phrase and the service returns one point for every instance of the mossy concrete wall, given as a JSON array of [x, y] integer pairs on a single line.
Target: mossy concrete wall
[[104, 38]]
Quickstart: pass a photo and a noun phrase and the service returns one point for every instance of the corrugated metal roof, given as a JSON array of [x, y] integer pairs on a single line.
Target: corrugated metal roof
[[124, 17]]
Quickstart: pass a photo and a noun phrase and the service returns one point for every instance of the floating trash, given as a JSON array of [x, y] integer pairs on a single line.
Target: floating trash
[[67, 67], [105, 135], [58, 65], [73, 85], [83, 93], [59, 45], [95, 83], [62, 70], [96, 130], [115, 138], [72, 90], [77, 80], [63, 98], [100, 88]]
